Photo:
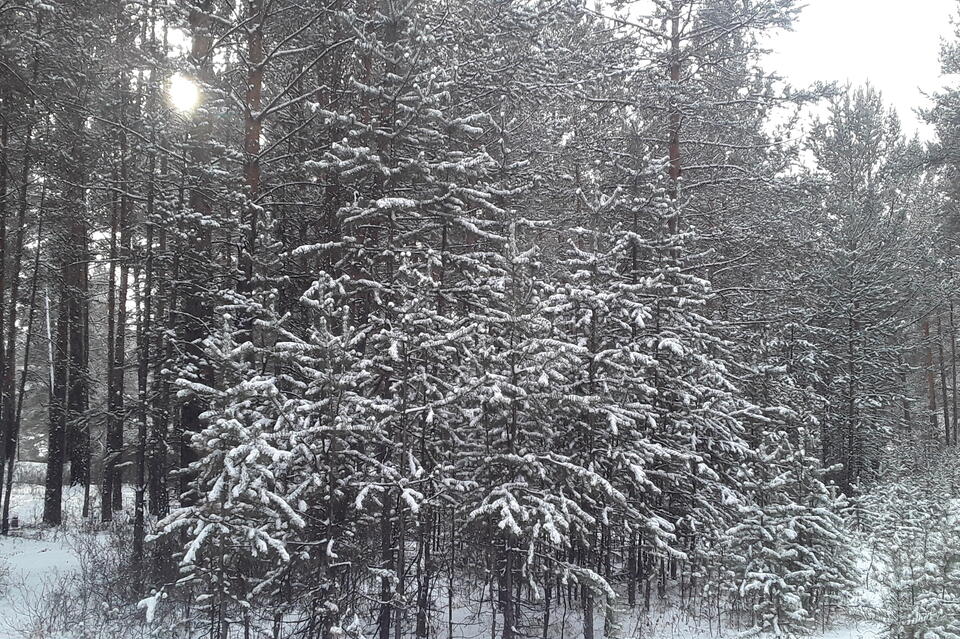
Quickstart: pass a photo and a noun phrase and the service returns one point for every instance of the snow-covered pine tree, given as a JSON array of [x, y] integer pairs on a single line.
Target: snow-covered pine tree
[[865, 283], [248, 504], [916, 557], [370, 378], [697, 409], [604, 405], [788, 559]]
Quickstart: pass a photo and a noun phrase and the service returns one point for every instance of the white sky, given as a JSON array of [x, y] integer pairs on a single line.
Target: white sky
[[895, 44]]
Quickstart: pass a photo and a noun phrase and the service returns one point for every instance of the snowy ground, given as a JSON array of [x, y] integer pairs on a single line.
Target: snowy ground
[[858, 631], [32, 568], [34, 561]]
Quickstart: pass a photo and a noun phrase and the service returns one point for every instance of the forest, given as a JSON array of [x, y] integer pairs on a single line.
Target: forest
[[389, 319]]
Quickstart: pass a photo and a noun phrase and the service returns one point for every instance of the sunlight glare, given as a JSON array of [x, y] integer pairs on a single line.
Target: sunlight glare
[[184, 93]]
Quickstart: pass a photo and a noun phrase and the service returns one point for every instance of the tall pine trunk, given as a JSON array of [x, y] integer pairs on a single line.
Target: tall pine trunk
[[56, 437], [251, 137], [196, 310], [76, 286], [111, 450], [4, 196], [953, 366], [943, 387], [928, 371], [9, 426], [31, 316]]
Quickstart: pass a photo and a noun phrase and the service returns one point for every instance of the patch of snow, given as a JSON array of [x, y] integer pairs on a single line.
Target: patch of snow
[[149, 604]]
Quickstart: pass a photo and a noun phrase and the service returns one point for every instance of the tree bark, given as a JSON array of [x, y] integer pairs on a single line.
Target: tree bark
[[907, 413], [943, 385], [143, 303], [931, 382], [588, 631], [506, 592], [424, 571], [31, 315], [158, 448], [56, 441], [4, 179], [251, 137], [953, 365], [196, 309], [75, 278], [675, 169], [118, 365], [110, 452], [386, 557], [8, 416], [850, 465], [144, 338]]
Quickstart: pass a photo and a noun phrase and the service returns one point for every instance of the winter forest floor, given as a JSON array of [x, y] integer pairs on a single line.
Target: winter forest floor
[[31, 563], [43, 575]]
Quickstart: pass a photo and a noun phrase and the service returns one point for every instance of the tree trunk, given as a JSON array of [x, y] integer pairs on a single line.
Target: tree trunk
[[75, 278], [144, 331], [386, 557], [907, 416], [158, 497], [953, 365], [196, 309], [56, 441], [252, 127], [158, 450], [110, 451], [675, 169], [943, 384], [506, 592], [588, 631], [424, 570], [120, 246], [931, 383], [143, 364], [850, 461], [9, 426], [400, 564], [4, 178], [118, 365], [547, 603], [31, 315]]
